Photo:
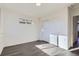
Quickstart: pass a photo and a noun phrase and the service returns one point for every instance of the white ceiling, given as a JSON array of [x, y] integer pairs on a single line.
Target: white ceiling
[[35, 11]]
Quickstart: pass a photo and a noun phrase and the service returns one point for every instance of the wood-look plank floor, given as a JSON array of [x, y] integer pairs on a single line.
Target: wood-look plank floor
[[26, 49], [29, 49]]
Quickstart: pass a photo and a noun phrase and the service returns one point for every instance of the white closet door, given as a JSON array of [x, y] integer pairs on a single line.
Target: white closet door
[[53, 39], [63, 42]]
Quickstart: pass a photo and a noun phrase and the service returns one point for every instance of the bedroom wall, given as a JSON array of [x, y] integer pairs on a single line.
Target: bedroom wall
[[1, 33], [16, 33], [57, 24]]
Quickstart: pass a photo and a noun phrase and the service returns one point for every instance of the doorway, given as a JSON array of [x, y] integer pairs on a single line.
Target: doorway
[[75, 31]]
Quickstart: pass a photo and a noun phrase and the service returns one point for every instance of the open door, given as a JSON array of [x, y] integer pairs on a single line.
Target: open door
[[75, 31]]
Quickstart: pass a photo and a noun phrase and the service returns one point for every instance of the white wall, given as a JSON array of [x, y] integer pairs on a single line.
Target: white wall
[[57, 23], [1, 33], [15, 33]]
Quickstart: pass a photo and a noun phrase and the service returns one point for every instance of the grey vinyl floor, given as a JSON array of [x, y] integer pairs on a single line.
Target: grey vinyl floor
[[29, 49]]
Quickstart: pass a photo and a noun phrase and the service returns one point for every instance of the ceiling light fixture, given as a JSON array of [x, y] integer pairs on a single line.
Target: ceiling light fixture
[[38, 4]]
